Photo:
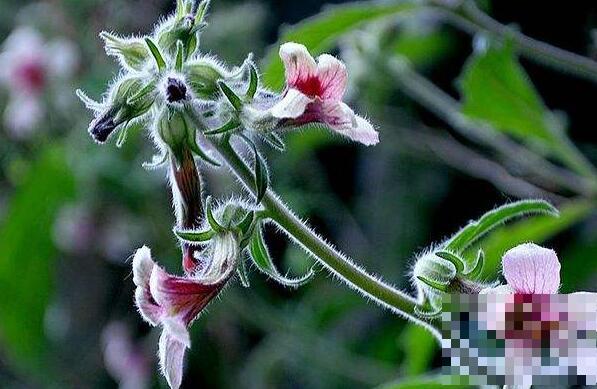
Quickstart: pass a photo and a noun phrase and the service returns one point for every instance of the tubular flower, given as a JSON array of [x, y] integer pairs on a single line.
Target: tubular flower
[[175, 302], [529, 269], [314, 92]]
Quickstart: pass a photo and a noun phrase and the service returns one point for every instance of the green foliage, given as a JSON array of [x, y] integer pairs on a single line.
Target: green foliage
[[320, 32], [27, 257], [422, 382], [496, 89], [419, 347], [536, 230]]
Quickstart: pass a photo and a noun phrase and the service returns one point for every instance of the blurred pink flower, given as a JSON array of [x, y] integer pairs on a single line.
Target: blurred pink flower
[[126, 362], [314, 92], [529, 269], [175, 302], [29, 64]]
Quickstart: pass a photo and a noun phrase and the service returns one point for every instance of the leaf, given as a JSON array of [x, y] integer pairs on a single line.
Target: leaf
[[234, 100], [436, 382], [27, 257], [263, 261], [420, 347], [536, 230], [496, 89], [159, 59], [476, 229], [320, 32]]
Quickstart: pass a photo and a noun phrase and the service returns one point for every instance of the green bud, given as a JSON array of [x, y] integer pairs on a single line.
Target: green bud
[[131, 53], [173, 128], [174, 30], [203, 77]]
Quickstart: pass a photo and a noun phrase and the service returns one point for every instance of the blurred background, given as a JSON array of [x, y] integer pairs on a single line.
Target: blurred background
[[72, 212]]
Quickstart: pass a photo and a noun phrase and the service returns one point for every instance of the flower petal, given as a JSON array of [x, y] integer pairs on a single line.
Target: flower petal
[[183, 298], [300, 67], [177, 330], [171, 353], [291, 106], [532, 269], [142, 266], [149, 310], [501, 289], [332, 76], [341, 118]]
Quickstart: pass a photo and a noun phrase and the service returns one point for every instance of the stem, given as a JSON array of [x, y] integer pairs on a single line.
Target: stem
[[474, 20], [337, 263], [448, 109]]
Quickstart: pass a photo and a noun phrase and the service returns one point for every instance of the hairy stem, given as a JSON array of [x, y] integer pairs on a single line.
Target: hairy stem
[[337, 263], [471, 19]]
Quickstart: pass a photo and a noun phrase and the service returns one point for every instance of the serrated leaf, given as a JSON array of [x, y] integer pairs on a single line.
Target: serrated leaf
[[194, 235], [263, 261], [492, 219], [27, 256], [159, 59], [321, 32]]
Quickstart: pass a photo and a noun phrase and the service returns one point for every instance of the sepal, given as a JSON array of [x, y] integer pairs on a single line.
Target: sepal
[[130, 52]]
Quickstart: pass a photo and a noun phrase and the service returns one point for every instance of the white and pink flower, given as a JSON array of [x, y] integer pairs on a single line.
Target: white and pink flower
[[29, 65], [175, 302], [314, 92]]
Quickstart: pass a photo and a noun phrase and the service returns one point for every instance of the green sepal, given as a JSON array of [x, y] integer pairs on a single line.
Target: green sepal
[[157, 161], [243, 274], [456, 260], [442, 287], [194, 235], [159, 59], [89, 103], [492, 219], [192, 142], [427, 311], [231, 96], [148, 88], [274, 140], [230, 126], [202, 12], [213, 223], [179, 56], [261, 176], [122, 135], [253, 82], [245, 224], [264, 263], [475, 272]]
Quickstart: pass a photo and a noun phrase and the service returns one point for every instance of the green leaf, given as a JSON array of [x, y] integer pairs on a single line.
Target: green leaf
[[492, 219], [419, 347], [496, 89], [438, 382], [321, 32], [253, 82], [194, 235], [27, 257], [159, 59], [263, 261], [535, 230], [234, 100]]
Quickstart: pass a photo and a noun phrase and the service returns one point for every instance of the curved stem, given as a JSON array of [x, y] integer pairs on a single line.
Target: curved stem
[[473, 20], [337, 263]]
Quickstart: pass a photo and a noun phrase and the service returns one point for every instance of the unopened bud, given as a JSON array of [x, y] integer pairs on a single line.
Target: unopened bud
[[203, 78], [131, 52], [173, 129]]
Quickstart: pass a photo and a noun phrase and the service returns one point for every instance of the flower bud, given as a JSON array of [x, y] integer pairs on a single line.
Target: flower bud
[[203, 78], [131, 53], [129, 99]]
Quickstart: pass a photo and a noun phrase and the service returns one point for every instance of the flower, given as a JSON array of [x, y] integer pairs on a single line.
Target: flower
[[314, 92], [126, 362], [529, 269], [175, 302], [29, 64]]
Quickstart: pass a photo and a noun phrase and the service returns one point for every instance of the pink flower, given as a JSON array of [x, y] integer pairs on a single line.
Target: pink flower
[[175, 302], [529, 269], [126, 362], [29, 64], [314, 92]]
